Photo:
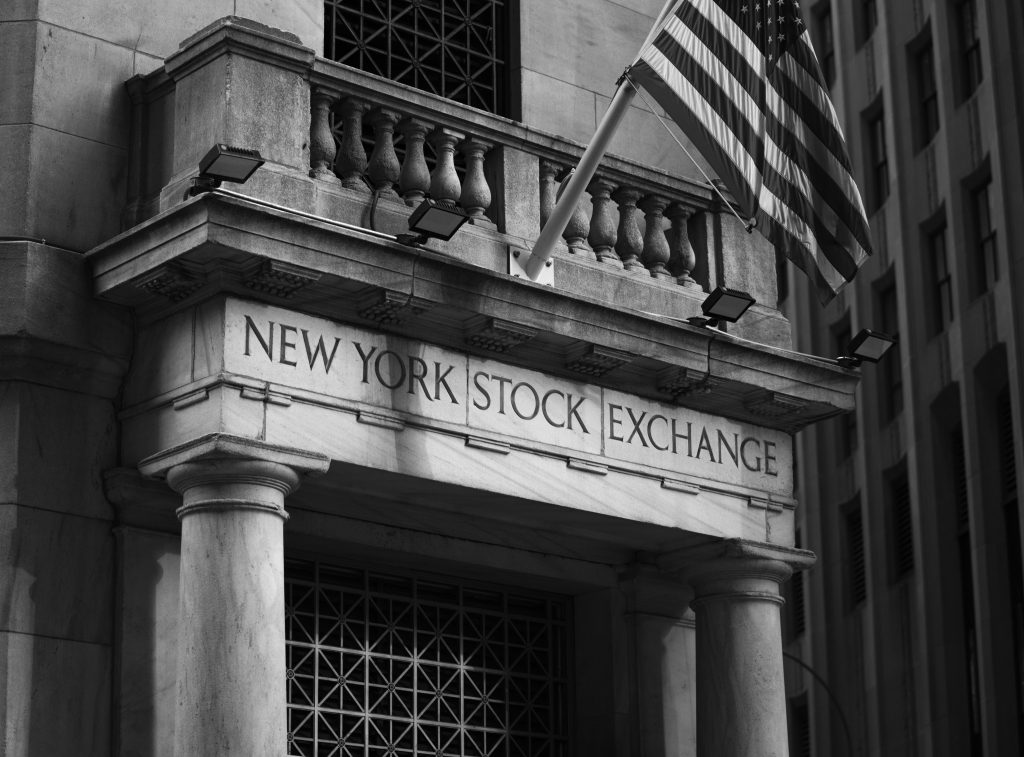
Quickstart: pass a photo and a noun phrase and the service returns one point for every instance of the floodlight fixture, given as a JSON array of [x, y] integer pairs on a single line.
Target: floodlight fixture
[[433, 219], [867, 345], [722, 304], [224, 163]]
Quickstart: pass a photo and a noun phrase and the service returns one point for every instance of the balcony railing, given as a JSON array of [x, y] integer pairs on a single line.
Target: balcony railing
[[347, 145], [372, 135]]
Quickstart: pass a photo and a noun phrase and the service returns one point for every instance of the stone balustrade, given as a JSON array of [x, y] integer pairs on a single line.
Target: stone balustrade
[[372, 136], [353, 147]]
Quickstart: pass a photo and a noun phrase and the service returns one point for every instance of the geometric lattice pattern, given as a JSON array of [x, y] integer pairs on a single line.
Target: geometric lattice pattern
[[453, 48], [382, 665]]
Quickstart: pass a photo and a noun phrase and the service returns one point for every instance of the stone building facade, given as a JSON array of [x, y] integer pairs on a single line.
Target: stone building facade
[[275, 482], [914, 616]]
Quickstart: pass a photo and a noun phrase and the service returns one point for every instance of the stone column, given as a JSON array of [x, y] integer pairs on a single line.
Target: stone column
[[231, 647], [741, 693]]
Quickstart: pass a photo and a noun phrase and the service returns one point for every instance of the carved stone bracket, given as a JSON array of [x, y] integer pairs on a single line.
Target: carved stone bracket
[[171, 280], [389, 308], [279, 278], [592, 360], [496, 335]]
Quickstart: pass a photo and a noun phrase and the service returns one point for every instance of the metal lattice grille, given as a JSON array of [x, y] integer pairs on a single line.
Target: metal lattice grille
[[386, 665], [453, 48]]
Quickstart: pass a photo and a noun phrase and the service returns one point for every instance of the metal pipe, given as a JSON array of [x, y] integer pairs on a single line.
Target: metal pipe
[[578, 182]]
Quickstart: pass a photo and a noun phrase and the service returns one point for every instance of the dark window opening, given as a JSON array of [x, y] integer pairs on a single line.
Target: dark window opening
[[891, 370], [825, 42], [927, 95], [458, 50], [799, 726], [878, 159], [942, 280], [856, 570], [867, 20], [845, 424], [902, 525], [795, 615], [984, 234], [1015, 561], [969, 45]]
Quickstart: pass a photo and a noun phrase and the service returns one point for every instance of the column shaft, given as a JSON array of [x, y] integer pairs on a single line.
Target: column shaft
[[231, 656], [741, 691]]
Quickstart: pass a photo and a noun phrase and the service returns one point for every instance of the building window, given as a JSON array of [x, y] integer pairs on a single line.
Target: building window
[[866, 19], [891, 373], [795, 622], [941, 279], [386, 665], [878, 158], [799, 726], [901, 525], [966, 17], [458, 50], [927, 94], [856, 573], [846, 424], [825, 42], [986, 271]]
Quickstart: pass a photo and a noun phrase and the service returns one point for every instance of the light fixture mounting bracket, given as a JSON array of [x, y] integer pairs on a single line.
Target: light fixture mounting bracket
[[517, 258]]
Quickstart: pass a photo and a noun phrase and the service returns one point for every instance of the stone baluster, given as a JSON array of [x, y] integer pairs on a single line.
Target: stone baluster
[[383, 168], [577, 230], [656, 249], [476, 194], [682, 259], [603, 222], [322, 148], [414, 178], [629, 243], [350, 162], [549, 170], [444, 181]]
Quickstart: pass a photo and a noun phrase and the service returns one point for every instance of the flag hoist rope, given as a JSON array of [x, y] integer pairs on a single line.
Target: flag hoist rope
[[587, 167]]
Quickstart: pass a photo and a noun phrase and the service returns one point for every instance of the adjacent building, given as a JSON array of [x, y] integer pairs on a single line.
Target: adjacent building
[[913, 619]]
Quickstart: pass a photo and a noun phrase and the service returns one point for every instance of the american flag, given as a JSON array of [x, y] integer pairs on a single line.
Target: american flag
[[741, 80]]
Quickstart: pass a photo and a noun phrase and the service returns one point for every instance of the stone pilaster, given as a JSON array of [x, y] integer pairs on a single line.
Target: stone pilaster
[[231, 647], [741, 699]]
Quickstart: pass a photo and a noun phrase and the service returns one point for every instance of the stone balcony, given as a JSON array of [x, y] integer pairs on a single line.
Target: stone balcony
[[349, 153]]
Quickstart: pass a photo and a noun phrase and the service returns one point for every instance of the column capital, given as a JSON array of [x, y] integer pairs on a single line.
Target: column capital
[[225, 472], [231, 447], [709, 566]]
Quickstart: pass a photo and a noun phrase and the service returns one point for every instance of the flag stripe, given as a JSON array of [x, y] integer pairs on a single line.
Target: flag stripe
[[715, 140], [742, 81], [788, 231], [742, 91], [795, 191], [830, 181], [800, 92], [736, 51]]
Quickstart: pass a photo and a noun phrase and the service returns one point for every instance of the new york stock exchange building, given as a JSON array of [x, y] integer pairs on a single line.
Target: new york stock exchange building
[[282, 479]]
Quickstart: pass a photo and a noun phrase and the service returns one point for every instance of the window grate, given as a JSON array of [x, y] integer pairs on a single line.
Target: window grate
[[1007, 453], [383, 666], [457, 49], [902, 526], [857, 573], [963, 520]]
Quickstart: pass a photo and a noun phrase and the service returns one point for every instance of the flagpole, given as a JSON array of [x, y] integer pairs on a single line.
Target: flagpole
[[579, 180]]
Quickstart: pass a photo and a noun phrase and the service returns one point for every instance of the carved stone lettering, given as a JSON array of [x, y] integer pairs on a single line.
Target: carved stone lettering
[[510, 405]]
